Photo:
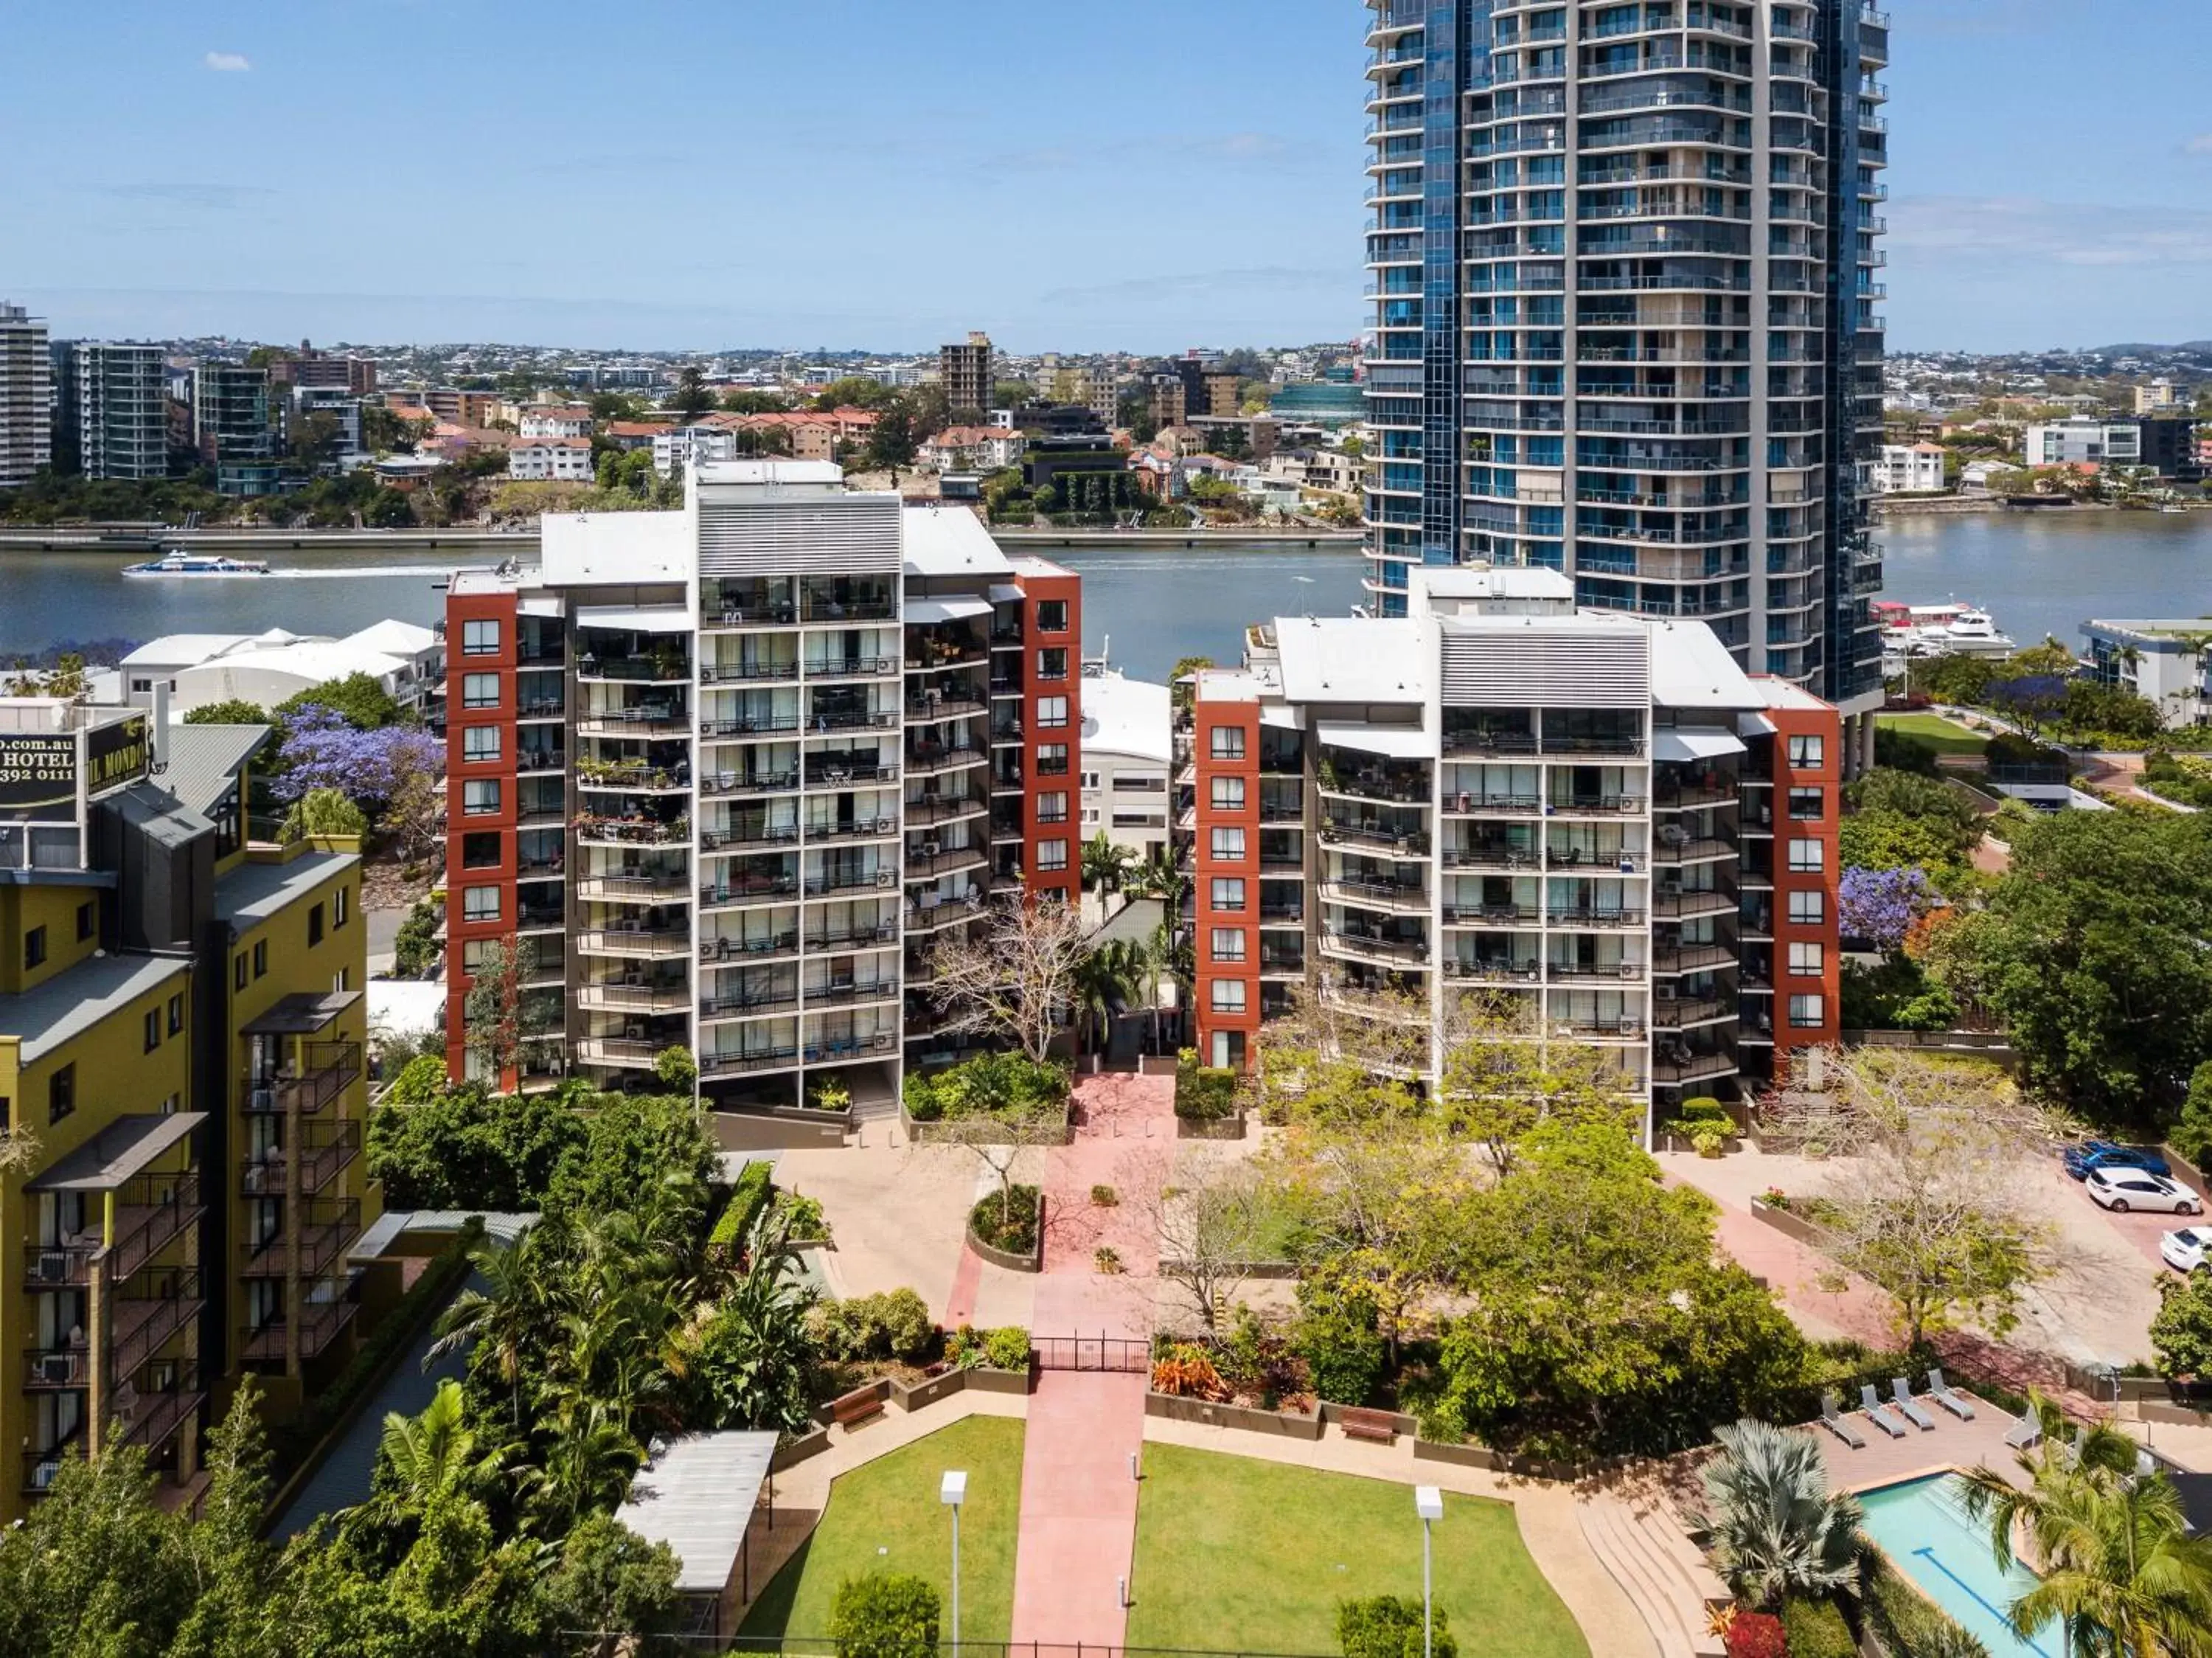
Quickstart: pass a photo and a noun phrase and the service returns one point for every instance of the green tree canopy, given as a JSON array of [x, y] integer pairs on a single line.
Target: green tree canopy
[[234, 712], [359, 699]]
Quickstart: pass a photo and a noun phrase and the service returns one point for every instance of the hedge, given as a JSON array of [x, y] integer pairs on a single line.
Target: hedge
[[985, 1085], [747, 1199], [1204, 1094], [1816, 1629], [294, 1440]]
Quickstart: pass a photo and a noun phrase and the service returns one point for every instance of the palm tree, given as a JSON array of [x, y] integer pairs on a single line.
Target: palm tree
[[1776, 1528], [1106, 866], [507, 1320], [1105, 979], [423, 1462], [586, 1466], [757, 1354]]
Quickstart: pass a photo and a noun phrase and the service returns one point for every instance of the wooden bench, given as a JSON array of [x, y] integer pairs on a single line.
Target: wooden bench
[[1376, 1425], [861, 1405]]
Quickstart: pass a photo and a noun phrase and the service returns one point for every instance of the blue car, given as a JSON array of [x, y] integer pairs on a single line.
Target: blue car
[[2079, 1158]]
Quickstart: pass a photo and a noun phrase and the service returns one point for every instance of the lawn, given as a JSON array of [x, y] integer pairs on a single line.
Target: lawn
[[886, 1517], [1232, 1553], [1945, 736]]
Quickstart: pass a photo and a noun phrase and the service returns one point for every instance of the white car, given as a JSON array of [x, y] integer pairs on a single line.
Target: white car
[[2183, 1250], [2123, 1188]]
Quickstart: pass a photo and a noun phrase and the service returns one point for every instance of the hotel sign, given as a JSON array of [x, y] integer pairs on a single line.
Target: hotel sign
[[38, 777], [116, 756]]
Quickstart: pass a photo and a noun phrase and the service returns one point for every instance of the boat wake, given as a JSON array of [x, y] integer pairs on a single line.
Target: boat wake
[[362, 572]]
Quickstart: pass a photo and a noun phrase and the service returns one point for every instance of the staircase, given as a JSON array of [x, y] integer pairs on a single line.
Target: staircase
[[1641, 1544]]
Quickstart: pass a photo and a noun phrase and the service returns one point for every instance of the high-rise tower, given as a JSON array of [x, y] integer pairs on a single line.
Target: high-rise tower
[[1624, 272], [26, 395]]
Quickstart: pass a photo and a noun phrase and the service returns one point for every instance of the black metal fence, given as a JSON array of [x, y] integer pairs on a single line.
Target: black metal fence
[[1100, 1352]]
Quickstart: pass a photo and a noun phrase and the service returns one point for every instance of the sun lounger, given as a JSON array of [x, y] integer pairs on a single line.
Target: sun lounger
[[1871, 1407], [1833, 1420], [2026, 1433], [1901, 1396], [1949, 1397]]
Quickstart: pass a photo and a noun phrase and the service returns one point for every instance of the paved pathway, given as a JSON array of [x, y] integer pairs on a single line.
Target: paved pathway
[[1078, 1503]]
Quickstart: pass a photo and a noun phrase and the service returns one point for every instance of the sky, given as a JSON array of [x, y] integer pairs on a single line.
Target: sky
[[886, 174]]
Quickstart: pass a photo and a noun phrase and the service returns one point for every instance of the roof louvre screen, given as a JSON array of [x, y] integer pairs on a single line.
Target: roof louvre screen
[[801, 538], [1541, 667]]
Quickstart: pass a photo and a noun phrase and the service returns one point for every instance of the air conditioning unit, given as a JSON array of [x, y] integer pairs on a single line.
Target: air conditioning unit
[[931, 849], [265, 1099], [57, 1368], [1663, 992], [51, 1267], [1627, 1026], [1628, 969]]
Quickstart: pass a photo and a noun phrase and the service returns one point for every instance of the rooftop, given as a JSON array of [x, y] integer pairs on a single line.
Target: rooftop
[[697, 1495], [301, 1014], [949, 541], [1354, 659], [253, 893], [123, 1148], [70, 1004], [200, 761], [1126, 716]]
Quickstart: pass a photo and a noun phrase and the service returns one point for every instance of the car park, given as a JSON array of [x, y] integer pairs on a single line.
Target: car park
[[2121, 1190], [2184, 1250], [2084, 1155]]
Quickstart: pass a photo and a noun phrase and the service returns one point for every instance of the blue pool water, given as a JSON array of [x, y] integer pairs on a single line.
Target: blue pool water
[[1922, 1526]]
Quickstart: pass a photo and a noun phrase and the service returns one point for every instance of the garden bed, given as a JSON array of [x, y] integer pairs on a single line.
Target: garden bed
[[1283, 1425], [1010, 1236]]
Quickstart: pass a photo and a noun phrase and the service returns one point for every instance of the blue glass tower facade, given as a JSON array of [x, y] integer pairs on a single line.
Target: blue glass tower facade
[[1623, 258]]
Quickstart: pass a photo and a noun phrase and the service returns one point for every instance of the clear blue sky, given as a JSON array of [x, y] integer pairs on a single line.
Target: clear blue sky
[[1148, 174]]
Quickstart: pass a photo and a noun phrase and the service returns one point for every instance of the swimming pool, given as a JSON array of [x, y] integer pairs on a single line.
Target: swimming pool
[[1922, 1526]]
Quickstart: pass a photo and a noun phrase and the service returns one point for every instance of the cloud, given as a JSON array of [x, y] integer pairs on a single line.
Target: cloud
[[179, 194], [2199, 145], [2024, 229], [227, 62]]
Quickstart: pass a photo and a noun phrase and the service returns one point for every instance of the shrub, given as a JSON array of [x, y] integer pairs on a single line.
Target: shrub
[[1815, 1629], [1706, 1143], [894, 1325], [1106, 1258], [805, 1214], [1204, 1094], [747, 1199], [1007, 1221], [884, 1615], [1104, 1197], [1006, 1348], [1338, 1334], [1389, 1626], [1910, 1625], [1755, 1635], [985, 1085], [677, 1070], [1185, 1371], [323, 812], [2181, 1332]]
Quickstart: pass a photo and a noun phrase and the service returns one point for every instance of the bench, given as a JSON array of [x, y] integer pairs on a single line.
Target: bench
[[1376, 1425], [861, 1405]]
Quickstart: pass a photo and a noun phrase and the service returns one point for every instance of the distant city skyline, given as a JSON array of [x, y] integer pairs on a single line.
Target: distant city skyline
[[1143, 180]]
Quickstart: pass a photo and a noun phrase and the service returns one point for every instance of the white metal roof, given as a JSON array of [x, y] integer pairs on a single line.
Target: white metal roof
[[698, 1497], [1691, 668], [1693, 744], [640, 618], [394, 638], [1127, 716], [1354, 659], [771, 471], [945, 610], [1402, 741], [180, 649], [949, 541], [594, 549]]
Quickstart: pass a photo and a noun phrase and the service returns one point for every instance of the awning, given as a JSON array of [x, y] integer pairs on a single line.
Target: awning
[[1753, 725], [540, 604], [125, 1148], [645, 618], [304, 1013], [945, 610], [1694, 745], [1005, 592], [1404, 741], [1279, 714]]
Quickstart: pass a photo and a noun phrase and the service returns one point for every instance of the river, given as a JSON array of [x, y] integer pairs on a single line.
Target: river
[[2038, 573]]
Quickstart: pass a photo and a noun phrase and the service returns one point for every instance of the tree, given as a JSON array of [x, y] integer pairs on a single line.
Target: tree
[[1881, 905], [884, 1615], [323, 812], [691, 399], [2181, 1333], [893, 441], [2192, 1135], [612, 1583], [1106, 865], [1107, 980], [756, 1354], [742, 400], [438, 1146], [1501, 1078], [1211, 1215], [234, 711], [1018, 982], [1181, 690], [1777, 1530], [425, 1461], [491, 1013]]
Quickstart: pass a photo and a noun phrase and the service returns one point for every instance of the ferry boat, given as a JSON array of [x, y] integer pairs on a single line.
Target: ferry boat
[[1950, 629], [177, 562]]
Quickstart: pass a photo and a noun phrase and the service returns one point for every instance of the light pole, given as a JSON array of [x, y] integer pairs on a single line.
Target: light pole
[[1429, 1503], [951, 1492]]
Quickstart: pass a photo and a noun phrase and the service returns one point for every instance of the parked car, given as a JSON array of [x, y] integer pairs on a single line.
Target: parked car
[[2183, 1250], [2086, 1155], [2123, 1188]]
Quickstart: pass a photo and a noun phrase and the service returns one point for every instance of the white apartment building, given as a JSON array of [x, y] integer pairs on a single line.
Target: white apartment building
[[118, 397], [562, 421], [2083, 441], [1128, 761], [551, 460], [692, 446], [2167, 663], [1907, 469], [26, 396]]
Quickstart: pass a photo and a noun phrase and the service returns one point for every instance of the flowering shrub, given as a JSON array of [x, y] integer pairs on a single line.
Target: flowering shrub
[[1756, 1635], [1881, 905]]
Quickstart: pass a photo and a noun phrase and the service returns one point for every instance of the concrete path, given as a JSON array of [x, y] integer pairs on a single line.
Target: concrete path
[[1078, 1503]]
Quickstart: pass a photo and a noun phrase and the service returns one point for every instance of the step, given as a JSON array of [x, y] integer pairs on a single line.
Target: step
[[1607, 1529]]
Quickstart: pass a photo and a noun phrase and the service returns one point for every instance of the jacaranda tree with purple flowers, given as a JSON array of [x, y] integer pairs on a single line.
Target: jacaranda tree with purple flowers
[[391, 773], [1881, 905]]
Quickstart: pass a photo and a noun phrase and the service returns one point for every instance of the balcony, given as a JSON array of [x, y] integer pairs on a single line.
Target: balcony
[[759, 889], [766, 947], [327, 1228], [41, 1468], [730, 785], [619, 1053], [634, 998], [932, 918], [152, 1420], [1463, 802], [631, 670], [741, 672], [1690, 1067], [714, 1066], [641, 723], [1363, 946], [1676, 1015], [1408, 844], [532, 762], [1499, 854], [1602, 916], [922, 813], [927, 864], [854, 995], [145, 1317], [1402, 896], [326, 1148], [748, 837], [751, 1004], [1702, 850], [265, 1344], [749, 725], [852, 880], [864, 938], [595, 831], [1690, 959], [831, 834], [1394, 788], [634, 889], [1683, 905], [152, 1211], [934, 759], [841, 1050], [948, 704], [633, 943], [820, 669], [842, 771]]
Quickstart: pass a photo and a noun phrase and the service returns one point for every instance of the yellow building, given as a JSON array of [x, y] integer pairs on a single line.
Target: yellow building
[[181, 1089]]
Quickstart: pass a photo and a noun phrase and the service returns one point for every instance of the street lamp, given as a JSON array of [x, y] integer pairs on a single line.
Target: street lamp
[[1429, 1503], [952, 1491]]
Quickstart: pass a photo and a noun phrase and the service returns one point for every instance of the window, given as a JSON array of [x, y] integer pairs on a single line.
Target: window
[[261, 958], [153, 1029], [480, 691], [1807, 805], [61, 1094], [480, 797], [341, 905], [1052, 806], [1229, 995], [1228, 794], [1806, 1011], [1229, 742], [238, 973], [1805, 857], [1052, 759], [1805, 960], [479, 638], [480, 742], [1808, 754], [1808, 908], [1228, 892], [1227, 944], [1052, 662], [1052, 711], [472, 953], [1090, 780], [34, 947], [482, 851], [1051, 855], [1228, 845], [1052, 615], [87, 919], [480, 904], [176, 1013], [314, 926]]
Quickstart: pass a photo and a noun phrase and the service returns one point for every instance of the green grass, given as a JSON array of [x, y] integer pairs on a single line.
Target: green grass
[[1945, 736], [890, 1505], [1236, 1553]]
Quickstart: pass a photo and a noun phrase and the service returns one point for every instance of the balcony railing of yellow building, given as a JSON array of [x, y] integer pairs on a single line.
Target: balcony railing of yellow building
[[325, 1069]]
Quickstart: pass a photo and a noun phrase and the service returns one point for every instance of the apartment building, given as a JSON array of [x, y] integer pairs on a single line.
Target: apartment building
[[1599, 817], [26, 396], [555, 421], [1128, 759], [232, 427], [2083, 440], [1625, 280], [323, 371], [115, 403], [1908, 469], [725, 775], [554, 459], [966, 372], [181, 1066]]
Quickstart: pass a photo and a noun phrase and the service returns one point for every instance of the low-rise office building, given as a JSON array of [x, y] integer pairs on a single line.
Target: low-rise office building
[[1128, 757], [2167, 664], [1597, 817]]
